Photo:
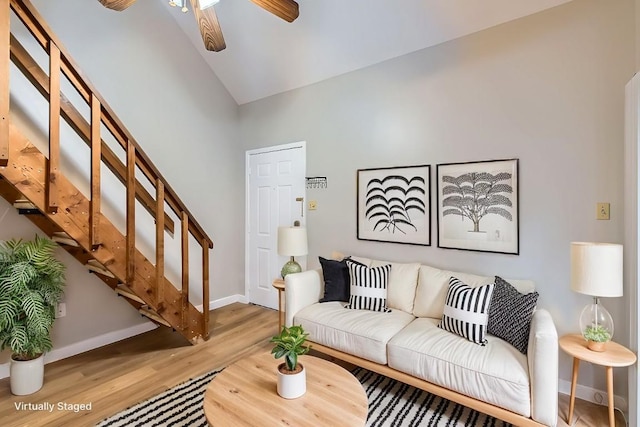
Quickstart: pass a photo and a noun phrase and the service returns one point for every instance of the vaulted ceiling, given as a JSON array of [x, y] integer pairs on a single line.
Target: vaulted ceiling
[[266, 55]]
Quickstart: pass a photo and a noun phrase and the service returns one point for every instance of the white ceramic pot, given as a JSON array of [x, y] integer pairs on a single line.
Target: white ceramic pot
[[27, 376], [291, 386]]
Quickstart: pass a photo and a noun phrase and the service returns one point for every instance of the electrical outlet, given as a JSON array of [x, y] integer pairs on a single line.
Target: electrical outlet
[[61, 310], [603, 211], [313, 205]]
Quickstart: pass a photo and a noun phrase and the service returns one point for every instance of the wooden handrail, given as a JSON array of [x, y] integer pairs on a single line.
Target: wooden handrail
[[61, 63]]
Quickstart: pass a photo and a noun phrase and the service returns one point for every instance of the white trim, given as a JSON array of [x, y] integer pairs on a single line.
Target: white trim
[[88, 344], [593, 395], [631, 240], [248, 154], [213, 304]]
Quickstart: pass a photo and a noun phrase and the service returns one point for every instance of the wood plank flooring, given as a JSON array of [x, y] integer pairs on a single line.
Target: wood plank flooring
[[119, 375]]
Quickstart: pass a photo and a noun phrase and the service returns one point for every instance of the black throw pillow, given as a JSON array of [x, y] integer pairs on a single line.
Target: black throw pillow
[[336, 280], [510, 314]]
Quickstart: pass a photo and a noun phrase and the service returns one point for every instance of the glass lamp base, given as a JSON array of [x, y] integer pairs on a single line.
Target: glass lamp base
[[289, 268], [596, 326]]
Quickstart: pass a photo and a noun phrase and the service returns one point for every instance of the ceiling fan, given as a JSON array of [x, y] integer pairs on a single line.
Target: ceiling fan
[[207, 19]]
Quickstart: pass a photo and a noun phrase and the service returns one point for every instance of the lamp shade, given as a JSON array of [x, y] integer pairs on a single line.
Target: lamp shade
[[292, 241], [596, 269]]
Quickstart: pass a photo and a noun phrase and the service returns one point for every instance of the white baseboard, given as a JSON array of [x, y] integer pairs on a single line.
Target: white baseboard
[[224, 301], [88, 344], [593, 395]]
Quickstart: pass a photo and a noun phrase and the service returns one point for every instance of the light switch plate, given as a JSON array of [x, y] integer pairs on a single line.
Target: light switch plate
[[603, 211]]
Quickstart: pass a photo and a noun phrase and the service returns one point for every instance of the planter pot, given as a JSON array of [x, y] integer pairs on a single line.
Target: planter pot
[[596, 346], [27, 376], [291, 386]]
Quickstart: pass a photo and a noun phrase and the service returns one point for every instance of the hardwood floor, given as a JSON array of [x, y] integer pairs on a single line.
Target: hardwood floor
[[119, 375]]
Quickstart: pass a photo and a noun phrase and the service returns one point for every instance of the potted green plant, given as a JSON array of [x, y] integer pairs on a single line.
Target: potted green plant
[[31, 284], [292, 379], [597, 336]]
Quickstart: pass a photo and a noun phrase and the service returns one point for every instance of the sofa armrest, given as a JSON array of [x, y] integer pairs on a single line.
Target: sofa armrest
[[301, 290], [543, 368]]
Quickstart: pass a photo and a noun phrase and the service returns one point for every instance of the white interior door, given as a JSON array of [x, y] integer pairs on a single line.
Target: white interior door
[[275, 197]]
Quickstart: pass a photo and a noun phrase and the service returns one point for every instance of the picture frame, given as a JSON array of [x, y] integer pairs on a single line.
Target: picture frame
[[478, 206], [394, 205]]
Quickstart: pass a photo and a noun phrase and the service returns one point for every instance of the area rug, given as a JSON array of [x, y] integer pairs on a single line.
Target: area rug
[[391, 404]]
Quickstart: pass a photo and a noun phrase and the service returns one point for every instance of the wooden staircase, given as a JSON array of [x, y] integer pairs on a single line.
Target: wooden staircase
[[39, 189]]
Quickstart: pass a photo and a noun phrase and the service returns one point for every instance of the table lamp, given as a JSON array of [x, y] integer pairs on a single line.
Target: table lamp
[[596, 270], [292, 242]]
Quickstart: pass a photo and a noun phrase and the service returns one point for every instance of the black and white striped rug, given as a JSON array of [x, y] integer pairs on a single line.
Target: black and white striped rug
[[391, 404]]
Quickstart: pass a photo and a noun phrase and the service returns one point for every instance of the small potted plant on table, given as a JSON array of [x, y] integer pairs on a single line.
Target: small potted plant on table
[[597, 336], [31, 284], [292, 379]]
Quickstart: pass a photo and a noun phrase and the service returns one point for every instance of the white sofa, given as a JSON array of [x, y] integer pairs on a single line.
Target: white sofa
[[407, 345]]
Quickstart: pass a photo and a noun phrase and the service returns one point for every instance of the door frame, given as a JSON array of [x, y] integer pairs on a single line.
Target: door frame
[[631, 234], [248, 154]]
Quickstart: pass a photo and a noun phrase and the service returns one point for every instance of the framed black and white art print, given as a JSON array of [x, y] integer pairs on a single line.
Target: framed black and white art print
[[394, 205], [478, 206]]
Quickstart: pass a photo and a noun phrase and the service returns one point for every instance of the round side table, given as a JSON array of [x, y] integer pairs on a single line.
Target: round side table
[[614, 356]]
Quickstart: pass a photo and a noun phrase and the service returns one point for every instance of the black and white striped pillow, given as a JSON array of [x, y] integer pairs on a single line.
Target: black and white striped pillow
[[368, 289], [466, 310]]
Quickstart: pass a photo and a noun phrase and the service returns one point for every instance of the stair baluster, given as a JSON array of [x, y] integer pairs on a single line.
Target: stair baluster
[[96, 156], [5, 36], [131, 213], [53, 165], [205, 287], [184, 226], [159, 245]]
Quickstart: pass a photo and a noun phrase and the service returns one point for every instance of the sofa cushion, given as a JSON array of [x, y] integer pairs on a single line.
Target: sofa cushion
[[510, 314], [359, 332], [368, 287], [434, 282], [336, 280], [403, 281], [466, 310], [496, 373]]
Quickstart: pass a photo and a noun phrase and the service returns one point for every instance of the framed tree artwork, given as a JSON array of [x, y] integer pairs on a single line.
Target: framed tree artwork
[[478, 206], [394, 205]]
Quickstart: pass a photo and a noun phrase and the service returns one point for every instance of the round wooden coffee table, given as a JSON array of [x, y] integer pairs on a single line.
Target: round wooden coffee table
[[244, 394]]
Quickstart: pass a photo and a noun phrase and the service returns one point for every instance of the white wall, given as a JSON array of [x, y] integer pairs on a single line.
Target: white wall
[[547, 89], [180, 114]]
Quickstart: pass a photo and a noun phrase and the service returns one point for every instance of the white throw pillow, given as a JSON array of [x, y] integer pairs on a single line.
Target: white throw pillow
[[403, 281]]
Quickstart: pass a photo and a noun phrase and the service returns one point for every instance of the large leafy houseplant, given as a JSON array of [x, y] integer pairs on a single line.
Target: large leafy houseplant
[[290, 344], [31, 284]]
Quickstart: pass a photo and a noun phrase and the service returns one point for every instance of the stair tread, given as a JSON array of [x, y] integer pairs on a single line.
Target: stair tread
[[126, 292], [151, 314], [63, 238], [96, 267]]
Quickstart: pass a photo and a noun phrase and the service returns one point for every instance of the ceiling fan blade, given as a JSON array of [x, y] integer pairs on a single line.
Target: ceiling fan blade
[[285, 9], [118, 5], [209, 27]]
